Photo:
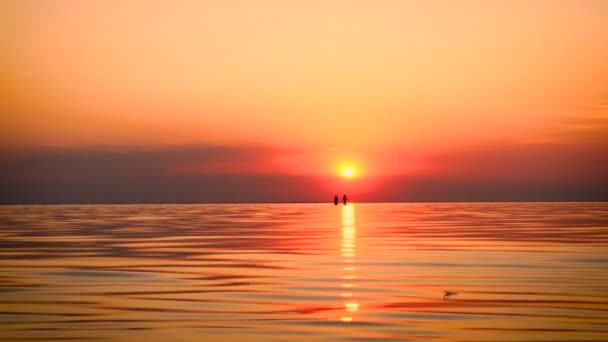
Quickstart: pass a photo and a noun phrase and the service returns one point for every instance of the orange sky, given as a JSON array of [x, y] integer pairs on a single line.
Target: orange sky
[[388, 85]]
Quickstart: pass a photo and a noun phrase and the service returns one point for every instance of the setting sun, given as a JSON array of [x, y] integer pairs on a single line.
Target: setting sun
[[348, 172]]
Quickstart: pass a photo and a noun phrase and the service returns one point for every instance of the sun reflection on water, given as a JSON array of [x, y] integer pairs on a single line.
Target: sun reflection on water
[[348, 250]]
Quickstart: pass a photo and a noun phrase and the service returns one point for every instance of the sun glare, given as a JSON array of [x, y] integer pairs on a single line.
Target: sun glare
[[348, 172]]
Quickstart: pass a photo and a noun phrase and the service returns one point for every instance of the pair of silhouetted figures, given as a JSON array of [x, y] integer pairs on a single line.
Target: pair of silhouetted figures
[[344, 200]]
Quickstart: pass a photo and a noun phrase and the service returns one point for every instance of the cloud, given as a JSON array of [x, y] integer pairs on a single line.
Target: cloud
[[589, 128], [61, 175], [52, 163], [499, 172], [574, 170]]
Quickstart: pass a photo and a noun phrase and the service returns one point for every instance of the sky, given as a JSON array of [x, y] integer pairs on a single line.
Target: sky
[[229, 101]]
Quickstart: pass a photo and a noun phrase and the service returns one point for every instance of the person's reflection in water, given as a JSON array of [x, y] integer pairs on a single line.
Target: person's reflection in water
[[348, 251]]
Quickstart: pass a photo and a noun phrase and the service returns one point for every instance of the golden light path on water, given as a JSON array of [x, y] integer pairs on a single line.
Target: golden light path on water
[[348, 250]]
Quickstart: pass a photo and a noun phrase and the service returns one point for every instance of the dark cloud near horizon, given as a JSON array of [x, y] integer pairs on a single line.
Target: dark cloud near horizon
[[536, 172], [91, 163], [526, 163], [65, 175]]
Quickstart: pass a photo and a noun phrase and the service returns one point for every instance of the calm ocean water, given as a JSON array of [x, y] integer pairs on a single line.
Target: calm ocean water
[[305, 272]]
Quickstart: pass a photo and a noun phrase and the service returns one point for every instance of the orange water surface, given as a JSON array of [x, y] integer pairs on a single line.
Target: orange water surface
[[305, 272]]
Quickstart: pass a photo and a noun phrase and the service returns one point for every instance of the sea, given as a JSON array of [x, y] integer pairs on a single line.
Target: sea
[[305, 272]]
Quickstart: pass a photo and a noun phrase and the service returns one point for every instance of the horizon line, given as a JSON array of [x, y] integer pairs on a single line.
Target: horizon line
[[295, 202]]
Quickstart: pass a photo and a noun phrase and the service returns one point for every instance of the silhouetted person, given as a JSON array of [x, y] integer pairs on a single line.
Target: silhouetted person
[[336, 200], [344, 199]]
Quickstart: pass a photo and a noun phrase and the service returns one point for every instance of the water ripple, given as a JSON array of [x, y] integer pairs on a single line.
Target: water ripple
[[361, 272]]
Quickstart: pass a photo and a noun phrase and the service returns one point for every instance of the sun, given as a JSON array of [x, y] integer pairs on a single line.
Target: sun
[[348, 171]]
